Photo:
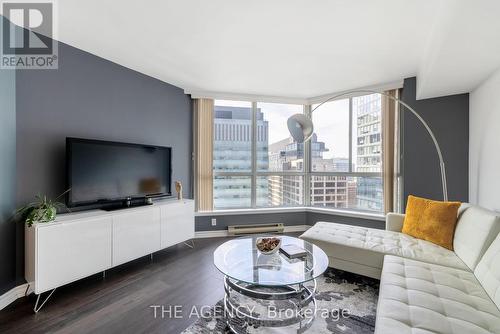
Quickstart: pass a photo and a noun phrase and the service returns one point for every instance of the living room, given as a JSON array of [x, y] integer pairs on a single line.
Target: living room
[[250, 167]]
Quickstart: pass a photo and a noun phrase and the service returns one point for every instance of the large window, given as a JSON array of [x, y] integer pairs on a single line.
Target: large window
[[346, 154], [232, 154], [257, 164]]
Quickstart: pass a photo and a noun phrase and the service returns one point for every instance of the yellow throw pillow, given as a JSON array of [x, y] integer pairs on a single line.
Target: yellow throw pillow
[[430, 220]]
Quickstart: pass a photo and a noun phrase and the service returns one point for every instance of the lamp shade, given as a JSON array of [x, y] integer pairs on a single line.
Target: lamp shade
[[300, 127]]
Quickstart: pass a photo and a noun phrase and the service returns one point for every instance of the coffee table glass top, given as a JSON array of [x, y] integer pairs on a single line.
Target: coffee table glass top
[[240, 259]]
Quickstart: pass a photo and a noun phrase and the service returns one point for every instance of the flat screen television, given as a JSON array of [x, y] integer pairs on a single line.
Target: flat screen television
[[103, 172]]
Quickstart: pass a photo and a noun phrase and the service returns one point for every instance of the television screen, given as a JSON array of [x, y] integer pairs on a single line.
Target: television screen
[[101, 171]]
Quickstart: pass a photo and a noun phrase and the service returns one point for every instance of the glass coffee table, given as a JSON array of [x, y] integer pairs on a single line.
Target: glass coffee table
[[269, 290]]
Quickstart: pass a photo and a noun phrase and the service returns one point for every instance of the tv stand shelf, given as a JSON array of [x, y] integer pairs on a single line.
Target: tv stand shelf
[[80, 244], [121, 207]]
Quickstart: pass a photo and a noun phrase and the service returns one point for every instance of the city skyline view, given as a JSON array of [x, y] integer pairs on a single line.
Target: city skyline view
[[277, 152]]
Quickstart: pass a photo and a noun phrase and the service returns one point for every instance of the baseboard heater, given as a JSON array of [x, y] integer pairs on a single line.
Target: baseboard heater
[[256, 228]]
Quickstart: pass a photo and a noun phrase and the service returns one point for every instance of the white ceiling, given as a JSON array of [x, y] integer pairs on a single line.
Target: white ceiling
[[292, 48]]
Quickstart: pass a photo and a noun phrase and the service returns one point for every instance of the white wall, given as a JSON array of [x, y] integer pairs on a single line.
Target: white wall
[[484, 144]]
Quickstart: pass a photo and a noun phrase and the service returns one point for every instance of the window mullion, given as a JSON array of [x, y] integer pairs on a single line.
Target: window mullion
[[245, 174], [306, 200], [254, 156], [345, 174], [350, 134]]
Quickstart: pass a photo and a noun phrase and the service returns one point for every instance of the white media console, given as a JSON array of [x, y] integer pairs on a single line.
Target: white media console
[[77, 245]]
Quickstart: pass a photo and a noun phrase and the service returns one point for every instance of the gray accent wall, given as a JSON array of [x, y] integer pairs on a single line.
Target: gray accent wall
[[90, 97], [314, 217], [448, 117], [7, 178], [203, 223]]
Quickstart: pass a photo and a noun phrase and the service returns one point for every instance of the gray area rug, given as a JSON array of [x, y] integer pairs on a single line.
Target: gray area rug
[[346, 304]]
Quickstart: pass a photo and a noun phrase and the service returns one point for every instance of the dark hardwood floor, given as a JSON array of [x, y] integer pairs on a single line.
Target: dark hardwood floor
[[121, 303]]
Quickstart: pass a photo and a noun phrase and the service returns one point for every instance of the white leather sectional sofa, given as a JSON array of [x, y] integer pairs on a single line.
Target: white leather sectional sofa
[[424, 288]]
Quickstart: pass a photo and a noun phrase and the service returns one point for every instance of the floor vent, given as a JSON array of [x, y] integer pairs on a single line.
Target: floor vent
[[256, 228]]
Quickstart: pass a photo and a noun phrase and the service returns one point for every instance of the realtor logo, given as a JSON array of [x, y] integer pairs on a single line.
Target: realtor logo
[[28, 35]]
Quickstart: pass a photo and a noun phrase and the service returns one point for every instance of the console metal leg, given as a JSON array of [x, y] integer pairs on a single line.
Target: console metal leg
[[27, 289], [151, 256], [38, 308], [189, 245], [104, 274]]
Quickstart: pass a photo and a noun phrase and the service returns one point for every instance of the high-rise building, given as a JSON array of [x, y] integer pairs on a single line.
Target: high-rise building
[[367, 110], [328, 191], [287, 155], [233, 153]]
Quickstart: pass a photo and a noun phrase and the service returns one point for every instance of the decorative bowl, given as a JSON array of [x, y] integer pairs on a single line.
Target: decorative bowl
[[268, 245]]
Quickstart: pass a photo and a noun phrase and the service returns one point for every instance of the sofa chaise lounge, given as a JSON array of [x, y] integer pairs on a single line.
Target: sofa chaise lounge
[[424, 288]]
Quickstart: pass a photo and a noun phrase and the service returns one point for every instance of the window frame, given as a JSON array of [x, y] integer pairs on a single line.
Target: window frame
[[306, 172]]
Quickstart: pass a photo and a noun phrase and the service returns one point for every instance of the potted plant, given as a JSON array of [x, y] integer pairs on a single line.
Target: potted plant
[[42, 210]]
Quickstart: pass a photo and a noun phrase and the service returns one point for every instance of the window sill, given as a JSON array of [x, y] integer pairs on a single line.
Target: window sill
[[336, 212]]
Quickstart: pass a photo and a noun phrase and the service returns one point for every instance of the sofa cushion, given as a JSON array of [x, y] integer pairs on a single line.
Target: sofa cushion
[[476, 229], [488, 271], [394, 221], [418, 297], [367, 246], [430, 220]]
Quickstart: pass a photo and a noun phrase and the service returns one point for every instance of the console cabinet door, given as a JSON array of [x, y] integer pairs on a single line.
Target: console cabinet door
[[66, 252], [135, 234], [177, 221]]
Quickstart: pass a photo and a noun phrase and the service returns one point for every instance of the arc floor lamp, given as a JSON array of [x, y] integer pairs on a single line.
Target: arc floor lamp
[[301, 127]]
